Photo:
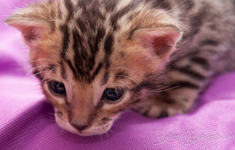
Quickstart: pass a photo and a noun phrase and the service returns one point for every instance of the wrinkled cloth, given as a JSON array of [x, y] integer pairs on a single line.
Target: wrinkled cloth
[[27, 120]]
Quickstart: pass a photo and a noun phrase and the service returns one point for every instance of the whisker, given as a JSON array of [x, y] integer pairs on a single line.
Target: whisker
[[164, 87], [158, 90], [52, 114], [47, 73], [111, 131], [126, 86], [39, 73], [101, 138], [43, 79], [41, 59], [33, 69], [168, 89], [121, 68], [48, 60], [130, 79], [107, 134]]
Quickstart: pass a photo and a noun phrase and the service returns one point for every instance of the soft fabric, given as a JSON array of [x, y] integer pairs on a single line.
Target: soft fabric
[[27, 121]]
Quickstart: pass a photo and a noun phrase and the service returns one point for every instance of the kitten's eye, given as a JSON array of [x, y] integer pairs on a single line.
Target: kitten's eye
[[113, 94], [57, 87]]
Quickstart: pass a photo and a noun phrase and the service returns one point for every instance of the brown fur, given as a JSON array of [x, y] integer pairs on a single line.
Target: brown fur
[[149, 48]]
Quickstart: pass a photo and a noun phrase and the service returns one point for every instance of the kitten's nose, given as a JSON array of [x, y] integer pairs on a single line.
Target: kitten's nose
[[79, 127]]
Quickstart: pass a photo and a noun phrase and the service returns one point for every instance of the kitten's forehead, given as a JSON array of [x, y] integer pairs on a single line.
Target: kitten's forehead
[[88, 36], [91, 30]]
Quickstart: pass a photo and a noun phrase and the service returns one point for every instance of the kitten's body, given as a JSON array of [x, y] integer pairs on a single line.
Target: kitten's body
[[145, 47]]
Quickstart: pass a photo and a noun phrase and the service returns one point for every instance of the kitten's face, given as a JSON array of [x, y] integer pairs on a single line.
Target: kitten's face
[[88, 104], [94, 68]]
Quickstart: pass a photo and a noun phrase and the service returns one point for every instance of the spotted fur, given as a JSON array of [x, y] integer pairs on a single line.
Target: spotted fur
[[162, 52]]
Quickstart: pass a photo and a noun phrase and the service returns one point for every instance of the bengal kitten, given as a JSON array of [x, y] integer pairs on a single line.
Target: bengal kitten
[[97, 58]]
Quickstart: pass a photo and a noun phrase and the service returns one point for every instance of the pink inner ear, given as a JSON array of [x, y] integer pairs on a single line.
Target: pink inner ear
[[160, 41], [31, 31], [160, 45], [31, 34]]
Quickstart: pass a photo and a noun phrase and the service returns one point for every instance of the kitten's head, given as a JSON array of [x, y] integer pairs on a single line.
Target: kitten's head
[[96, 59]]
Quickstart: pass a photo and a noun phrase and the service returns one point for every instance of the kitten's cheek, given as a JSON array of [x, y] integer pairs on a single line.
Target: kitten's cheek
[[60, 118], [65, 125]]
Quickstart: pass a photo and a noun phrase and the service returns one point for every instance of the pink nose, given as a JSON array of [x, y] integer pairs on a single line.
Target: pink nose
[[79, 127]]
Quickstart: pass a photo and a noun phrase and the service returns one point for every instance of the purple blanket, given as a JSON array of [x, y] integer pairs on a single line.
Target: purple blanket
[[27, 121]]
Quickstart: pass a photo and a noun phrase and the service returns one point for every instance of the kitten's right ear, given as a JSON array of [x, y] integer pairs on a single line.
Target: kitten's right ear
[[31, 28]]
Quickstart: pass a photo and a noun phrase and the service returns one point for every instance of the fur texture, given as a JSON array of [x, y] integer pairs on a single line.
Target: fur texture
[[162, 53]]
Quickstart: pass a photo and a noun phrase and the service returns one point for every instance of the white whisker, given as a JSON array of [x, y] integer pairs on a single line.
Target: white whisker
[[121, 68], [47, 73], [41, 59], [48, 60], [163, 88], [130, 79], [107, 134], [126, 86], [43, 79], [34, 69], [51, 114], [39, 73], [111, 131], [167, 89]]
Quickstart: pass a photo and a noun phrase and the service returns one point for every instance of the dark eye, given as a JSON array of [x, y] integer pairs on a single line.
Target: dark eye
[[57, 87], [113, 94]]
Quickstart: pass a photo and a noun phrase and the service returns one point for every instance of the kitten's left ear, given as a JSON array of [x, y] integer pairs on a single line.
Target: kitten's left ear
[[160, 42], [31, 28]]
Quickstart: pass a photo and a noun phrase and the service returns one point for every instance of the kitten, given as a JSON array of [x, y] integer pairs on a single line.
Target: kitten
[[97, 58]]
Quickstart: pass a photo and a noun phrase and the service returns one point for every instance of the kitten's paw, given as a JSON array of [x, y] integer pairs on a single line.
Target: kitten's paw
[[160, 111]]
